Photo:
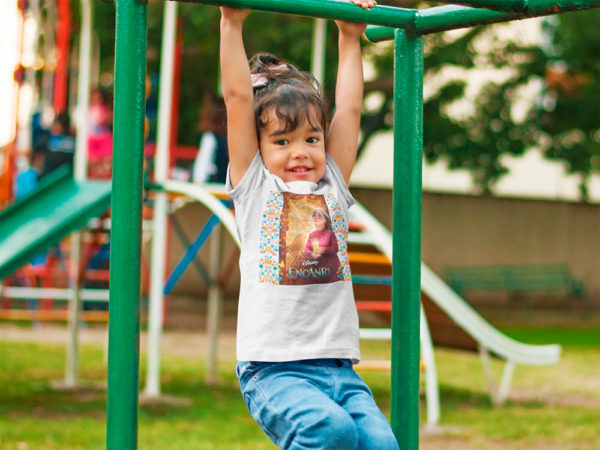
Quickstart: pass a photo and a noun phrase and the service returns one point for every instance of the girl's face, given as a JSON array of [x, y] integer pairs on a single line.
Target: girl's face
[[319, 220], [297, 155]]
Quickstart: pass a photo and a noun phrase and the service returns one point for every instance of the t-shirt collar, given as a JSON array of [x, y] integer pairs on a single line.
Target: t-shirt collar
[[302, 187]]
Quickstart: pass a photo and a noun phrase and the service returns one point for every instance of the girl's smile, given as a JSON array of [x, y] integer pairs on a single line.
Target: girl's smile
[[296, 155]]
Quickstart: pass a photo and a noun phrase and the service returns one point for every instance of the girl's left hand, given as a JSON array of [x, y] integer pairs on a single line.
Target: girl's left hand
[[236, 15], [352, 29]]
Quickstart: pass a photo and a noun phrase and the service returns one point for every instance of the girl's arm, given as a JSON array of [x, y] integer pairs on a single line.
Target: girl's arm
[[342, 142], [237, 93]]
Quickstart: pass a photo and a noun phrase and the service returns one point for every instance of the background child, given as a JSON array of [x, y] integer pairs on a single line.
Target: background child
[[297, 334], [100, 148], [210, 165], [61, 144]]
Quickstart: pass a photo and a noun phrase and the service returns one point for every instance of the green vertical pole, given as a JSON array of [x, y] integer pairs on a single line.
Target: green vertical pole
[[406, 268], [128, 139]]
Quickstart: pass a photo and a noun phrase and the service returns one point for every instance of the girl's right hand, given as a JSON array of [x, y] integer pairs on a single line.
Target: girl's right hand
[[235, 15]]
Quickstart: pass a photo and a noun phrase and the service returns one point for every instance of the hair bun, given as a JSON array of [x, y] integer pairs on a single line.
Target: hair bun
[[267, 68], [266, 59]]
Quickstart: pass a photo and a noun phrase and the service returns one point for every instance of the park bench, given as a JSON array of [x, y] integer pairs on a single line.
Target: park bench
[[514, 279]]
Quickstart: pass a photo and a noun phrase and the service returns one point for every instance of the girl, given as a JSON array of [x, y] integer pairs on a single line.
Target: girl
[[297, 334]]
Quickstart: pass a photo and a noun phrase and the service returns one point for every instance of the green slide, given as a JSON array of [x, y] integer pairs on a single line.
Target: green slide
[[56, 208]]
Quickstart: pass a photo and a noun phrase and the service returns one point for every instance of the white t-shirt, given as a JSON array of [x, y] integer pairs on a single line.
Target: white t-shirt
[[294, 303]]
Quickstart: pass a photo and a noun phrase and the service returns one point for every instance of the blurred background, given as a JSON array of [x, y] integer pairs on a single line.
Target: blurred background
[[511, 185]]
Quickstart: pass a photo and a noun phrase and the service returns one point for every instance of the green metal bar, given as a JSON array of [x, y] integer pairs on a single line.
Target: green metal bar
[[546, 7], [442, 18], [326, 9], [125, 254], [450, 17], [500, 5], [521, 5], [375, 33], [406, 266]]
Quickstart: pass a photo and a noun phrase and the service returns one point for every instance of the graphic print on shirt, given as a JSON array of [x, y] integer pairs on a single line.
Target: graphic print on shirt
[[312, 241], [268, 270], [340, 226]]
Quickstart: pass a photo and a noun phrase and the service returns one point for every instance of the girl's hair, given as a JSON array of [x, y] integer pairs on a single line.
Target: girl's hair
[[295, 95], [325, 215]]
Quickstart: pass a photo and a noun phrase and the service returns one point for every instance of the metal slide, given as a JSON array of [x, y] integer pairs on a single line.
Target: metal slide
[[56, 208]]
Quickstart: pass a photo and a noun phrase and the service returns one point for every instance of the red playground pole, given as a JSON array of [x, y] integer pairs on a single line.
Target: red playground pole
[[61, 74], [175, 96]]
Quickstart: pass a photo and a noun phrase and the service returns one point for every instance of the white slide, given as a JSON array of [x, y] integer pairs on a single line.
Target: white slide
[[488, 338]]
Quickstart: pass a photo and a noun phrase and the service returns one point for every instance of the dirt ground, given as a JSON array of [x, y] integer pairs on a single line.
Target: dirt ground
[[174, 342]]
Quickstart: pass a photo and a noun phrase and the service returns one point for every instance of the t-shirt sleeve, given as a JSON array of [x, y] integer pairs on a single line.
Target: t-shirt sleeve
[[338, 179], [250, 180]]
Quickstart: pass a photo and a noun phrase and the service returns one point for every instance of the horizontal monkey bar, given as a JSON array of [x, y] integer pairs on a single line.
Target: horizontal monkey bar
[[450, 17], [326, 9], [522, 5]]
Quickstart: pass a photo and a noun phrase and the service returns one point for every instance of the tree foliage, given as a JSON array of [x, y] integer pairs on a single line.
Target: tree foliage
[[562, 117], [569, 118]]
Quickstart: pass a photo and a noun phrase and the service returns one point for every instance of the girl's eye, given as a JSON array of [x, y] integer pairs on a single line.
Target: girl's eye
[[312, 140], [281, 142]]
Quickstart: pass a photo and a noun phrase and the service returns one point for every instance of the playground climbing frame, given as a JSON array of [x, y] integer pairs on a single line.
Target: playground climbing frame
[[406, 27]]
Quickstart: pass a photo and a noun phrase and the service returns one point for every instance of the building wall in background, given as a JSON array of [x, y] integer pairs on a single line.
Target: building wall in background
[[471, 230]]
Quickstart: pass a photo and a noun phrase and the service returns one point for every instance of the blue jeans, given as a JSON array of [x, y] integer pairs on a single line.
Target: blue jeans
[[314, 404]]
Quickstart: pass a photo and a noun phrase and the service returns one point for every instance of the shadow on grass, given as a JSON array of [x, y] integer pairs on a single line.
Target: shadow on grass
[[204, 400], [46, 403], [42, 402], [459, 399], [452, 397]]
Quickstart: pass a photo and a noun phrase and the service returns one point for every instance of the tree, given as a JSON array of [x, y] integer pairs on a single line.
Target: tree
[[569, 115], [563, 119]]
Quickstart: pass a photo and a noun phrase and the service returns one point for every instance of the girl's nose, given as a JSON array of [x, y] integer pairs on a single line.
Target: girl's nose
[[299, 151]]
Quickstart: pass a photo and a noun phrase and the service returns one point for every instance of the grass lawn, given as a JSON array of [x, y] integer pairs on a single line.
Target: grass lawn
[[555, 407]]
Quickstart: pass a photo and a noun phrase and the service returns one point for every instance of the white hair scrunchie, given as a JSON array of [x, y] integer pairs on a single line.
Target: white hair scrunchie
[[260, 80]]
